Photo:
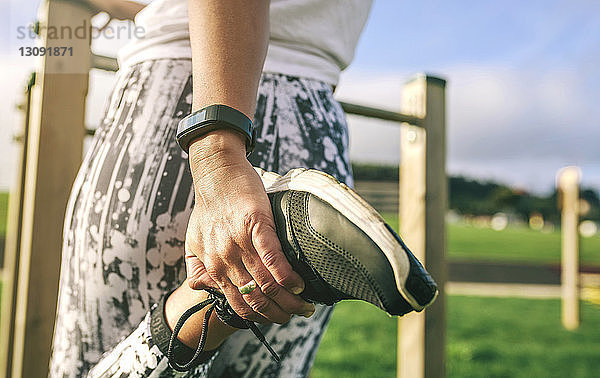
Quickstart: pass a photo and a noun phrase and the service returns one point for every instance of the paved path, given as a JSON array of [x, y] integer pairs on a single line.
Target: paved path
[[503, 290], [509, 272], [590, 289]]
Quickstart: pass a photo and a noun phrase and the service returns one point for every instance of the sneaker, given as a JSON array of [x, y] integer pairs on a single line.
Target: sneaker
[[341, 246]]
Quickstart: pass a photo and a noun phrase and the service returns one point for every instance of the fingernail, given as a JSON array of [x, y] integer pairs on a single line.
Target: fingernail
[[308, 314], [297, 290], [308, 307]]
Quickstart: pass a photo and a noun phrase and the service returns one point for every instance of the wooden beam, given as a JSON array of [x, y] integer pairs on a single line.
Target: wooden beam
[[385, 115], [108, 63], [54, 146], [568, 184], [105, 63], [12, 245], [423, 203]]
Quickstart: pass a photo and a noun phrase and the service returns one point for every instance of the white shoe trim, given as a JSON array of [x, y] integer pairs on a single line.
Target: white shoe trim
[[354, 208]]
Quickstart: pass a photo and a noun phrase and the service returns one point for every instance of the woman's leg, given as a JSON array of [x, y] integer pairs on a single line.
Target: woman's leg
[[127, 216], [129, 207]]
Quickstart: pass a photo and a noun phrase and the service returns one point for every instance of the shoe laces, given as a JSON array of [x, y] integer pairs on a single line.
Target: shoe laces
[[218, 303]]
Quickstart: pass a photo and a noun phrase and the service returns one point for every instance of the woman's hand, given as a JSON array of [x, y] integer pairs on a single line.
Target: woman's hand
[[232, 233]]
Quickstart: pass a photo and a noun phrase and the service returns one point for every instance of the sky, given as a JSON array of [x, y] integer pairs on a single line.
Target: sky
[[522, 94]]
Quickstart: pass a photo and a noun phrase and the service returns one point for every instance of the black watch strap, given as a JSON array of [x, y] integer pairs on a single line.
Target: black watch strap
[[211, 118]]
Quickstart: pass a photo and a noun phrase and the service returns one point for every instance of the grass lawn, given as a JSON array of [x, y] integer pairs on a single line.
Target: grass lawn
[[468, 242], [512, 244], [487, 337]]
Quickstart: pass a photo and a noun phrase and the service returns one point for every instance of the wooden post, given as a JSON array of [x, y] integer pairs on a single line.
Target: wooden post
[[568, 184], [423, 203], [12, 245], [411, 338], [54, 151]]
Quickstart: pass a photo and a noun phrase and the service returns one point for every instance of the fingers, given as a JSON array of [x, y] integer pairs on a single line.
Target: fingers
[[266, 243], [254, 306], [290, 303], [219, 273], [234, 253], [197, 276], [259, 302]]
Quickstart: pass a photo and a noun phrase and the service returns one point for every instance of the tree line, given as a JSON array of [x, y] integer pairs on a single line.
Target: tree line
[[475, 197]]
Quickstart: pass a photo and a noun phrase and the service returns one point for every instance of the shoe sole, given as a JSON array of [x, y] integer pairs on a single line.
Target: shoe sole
[[356, 210]]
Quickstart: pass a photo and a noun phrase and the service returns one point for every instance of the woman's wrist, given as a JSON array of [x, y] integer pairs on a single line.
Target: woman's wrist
[[216, 142], [214, 157]]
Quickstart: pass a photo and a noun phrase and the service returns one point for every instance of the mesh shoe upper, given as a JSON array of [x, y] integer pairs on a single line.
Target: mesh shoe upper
[[334, 256]]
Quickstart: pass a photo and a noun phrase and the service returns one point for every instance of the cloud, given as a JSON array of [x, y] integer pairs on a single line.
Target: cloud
[[517, 121], [517, 126]]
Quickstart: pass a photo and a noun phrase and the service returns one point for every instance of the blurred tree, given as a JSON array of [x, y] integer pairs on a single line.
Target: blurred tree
[[468, 196]]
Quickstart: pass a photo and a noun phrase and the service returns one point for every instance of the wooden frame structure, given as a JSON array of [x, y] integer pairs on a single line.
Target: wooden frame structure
[[423, 204], [568, 185], [52, 152]]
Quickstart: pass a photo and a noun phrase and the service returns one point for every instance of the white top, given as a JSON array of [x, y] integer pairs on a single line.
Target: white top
[[308, 38]]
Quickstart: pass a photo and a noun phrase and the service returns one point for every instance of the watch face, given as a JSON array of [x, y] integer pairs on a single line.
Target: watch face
[[198, 117]]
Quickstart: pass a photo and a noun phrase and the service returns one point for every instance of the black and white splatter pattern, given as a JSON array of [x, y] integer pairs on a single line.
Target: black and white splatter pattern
[[128, 211]]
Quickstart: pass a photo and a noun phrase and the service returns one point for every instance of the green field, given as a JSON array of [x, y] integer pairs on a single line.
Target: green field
[[487, 337], [3, 211], [512, 244], [468, 242]]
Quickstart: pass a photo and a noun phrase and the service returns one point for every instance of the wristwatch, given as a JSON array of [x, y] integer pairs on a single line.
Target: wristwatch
[[211, 118]]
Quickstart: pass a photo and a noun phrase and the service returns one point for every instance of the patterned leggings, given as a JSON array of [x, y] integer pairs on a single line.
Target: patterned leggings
[[128, 211]]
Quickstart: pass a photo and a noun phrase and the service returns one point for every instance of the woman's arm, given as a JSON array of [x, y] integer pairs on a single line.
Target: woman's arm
[[231, 228], [229, 44], [231, 234]]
